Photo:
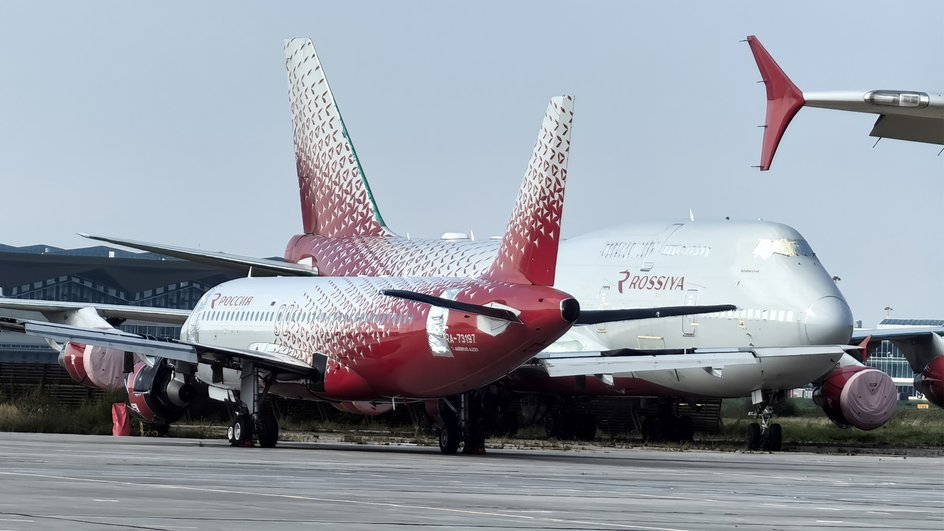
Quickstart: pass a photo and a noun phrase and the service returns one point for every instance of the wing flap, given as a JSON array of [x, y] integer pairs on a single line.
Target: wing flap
[[913, 128]]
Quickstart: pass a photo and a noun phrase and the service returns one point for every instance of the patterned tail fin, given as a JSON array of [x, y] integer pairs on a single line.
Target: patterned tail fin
[[335, 197], [528, 252]]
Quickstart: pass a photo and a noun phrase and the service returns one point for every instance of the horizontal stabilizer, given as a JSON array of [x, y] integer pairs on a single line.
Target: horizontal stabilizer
[[487, 311], [260, 267], [588, 317]]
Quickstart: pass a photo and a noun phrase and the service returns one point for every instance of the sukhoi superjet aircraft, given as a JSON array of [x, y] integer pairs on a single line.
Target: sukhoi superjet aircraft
[[790, 327]]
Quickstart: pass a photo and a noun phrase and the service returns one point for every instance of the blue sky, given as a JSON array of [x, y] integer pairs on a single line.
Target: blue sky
[[170, 123]]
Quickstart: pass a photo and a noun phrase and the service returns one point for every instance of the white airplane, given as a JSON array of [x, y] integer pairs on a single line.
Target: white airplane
[[903, 114], [791, 326]]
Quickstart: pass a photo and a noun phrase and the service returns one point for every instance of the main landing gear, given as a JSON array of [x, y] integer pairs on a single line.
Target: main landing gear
[[255, 419], [765, 435], [460, 421]]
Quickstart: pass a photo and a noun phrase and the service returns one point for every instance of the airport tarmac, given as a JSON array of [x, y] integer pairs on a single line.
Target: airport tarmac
[[99, 482]]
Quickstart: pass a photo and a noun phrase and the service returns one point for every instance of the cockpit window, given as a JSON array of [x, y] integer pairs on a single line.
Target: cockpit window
[[766, 248]]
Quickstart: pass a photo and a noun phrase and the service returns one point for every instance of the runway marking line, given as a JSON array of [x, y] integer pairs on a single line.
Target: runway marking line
[[350, 502]]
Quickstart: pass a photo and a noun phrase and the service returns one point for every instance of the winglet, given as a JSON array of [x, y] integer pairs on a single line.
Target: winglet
[[784, 100], [335, 197], [528, 252]]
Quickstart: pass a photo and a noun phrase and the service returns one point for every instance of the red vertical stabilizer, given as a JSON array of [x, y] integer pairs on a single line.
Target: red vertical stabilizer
[[528, 252], [335, 198]]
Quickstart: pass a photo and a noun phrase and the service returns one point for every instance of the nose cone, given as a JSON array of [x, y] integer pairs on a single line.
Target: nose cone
[[829, 322]]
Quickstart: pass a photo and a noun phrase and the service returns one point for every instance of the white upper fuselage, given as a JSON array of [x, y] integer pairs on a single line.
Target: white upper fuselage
[[784, 295]]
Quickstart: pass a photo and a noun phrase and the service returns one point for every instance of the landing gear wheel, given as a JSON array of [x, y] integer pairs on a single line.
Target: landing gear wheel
[[773, 438], [268, 429], [752, 439], [449, 438], [240, 431]]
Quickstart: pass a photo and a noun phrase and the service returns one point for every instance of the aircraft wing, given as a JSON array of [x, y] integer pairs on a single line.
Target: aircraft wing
[[903, 114], [157, 347], [117, 311], [919, 344], [259, 267], [630, 360]]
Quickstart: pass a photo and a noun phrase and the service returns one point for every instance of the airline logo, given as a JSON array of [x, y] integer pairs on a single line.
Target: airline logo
[[230, 300], [649, 282]]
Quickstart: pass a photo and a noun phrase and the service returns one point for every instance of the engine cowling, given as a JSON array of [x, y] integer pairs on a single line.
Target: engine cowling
[[155, 395], [930, 381], [858, 396], [92, 366]]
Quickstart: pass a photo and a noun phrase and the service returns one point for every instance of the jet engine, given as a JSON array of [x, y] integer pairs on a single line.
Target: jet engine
[[155, 394], [930, 381], [856, 395], [91, 366]]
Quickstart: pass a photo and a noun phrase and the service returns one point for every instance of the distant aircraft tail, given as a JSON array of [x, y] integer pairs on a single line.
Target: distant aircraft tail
[[528, 252], [784, 100], [335, 197]]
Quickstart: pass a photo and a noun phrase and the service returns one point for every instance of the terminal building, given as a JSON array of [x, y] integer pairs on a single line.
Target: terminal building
[[96, 274]]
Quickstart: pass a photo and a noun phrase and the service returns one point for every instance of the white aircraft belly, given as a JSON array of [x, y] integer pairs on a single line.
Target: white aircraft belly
[[768, 372]]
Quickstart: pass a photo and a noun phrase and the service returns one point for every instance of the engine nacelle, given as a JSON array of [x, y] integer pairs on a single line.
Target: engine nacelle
[[858, 396], [91, 366], [155, 395], [930, 381]]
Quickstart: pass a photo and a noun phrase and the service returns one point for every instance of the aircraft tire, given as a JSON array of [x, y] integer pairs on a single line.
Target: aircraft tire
[[752, 438], [449, 438], [268, 430], [773, 439], [242, 428]]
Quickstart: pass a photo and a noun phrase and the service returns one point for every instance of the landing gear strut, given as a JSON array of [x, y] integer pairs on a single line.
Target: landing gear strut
[[255, 419], [765, 435]]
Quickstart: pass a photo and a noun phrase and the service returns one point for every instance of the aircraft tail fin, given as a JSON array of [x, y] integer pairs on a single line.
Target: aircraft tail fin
[[784, 100], [335, 197], [528, 252]]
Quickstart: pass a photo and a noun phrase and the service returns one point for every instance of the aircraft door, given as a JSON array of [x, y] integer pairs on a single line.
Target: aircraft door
[[604, 295], [690, 322]]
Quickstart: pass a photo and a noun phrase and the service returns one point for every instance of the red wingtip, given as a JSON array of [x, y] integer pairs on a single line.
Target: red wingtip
[[784, 99]]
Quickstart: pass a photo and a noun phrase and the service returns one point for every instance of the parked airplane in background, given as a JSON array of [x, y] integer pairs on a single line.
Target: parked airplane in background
[[903, 114], [790, 328]]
